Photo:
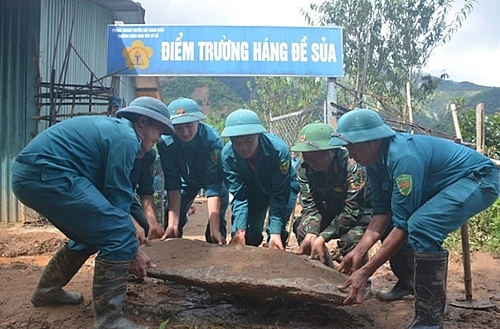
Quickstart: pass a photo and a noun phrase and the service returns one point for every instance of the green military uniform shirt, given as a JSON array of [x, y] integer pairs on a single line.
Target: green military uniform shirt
[[335, 202]]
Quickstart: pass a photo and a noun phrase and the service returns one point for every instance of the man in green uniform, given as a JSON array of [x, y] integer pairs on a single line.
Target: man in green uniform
[[334, 199]]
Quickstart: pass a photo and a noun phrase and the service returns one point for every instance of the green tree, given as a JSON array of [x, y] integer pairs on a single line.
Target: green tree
[[491, 132], [217, 121], [276, 96], [386, 45]]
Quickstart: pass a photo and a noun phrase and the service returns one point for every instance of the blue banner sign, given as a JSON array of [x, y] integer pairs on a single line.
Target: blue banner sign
[[173, 50]]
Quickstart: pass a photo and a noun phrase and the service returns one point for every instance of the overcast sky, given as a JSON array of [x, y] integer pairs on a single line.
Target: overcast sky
[[473, 54]]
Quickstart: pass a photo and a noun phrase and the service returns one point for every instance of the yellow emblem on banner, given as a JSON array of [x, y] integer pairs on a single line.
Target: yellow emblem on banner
[[137, 55]]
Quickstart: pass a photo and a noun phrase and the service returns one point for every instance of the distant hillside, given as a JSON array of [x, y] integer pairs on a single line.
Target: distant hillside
[[448, 85], [490, 97], [210, 93], [214, 94], [221, 95], [239, 85], [472, 93], [439, 117]]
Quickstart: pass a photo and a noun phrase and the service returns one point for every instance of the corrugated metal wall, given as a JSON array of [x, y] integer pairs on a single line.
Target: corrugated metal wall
[[73, 45], [34, 37], [76, 22], [19, 21]]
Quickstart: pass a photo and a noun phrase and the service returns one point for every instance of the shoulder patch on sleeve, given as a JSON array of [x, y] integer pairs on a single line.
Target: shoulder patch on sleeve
[[215, 155], [404, 183], [284, 166], [152, 169], [357, 181]]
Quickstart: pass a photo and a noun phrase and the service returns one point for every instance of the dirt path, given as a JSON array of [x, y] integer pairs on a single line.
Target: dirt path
[[24, 252]]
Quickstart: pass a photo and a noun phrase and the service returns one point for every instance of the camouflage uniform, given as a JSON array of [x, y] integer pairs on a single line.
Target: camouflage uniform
[[336, 205]]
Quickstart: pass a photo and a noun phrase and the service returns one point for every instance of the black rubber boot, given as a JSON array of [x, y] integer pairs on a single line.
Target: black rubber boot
[[403, 266], [430, 290], [58, 272], [109, 289]]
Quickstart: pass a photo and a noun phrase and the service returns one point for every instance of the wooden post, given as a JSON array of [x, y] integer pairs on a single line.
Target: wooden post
[[480, 137], [410, 109], [464, 229], [454, 116], [331, 113]]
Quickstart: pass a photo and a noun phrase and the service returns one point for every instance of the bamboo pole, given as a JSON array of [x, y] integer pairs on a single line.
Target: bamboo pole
[[464, 229], [410, 109], [480, 137]]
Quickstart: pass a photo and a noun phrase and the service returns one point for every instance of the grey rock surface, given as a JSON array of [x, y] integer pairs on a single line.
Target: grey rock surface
[[245, 270]]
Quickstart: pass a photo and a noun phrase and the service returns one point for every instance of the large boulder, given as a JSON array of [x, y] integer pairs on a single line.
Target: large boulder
[[245, 270]]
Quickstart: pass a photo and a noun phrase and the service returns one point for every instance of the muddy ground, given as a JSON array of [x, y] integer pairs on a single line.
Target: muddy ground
[[25, 250]]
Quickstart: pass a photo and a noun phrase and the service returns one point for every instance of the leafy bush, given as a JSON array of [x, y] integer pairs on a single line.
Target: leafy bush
[[491, 132]]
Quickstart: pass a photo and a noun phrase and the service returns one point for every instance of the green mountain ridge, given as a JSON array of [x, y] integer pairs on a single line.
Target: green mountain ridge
[[218, 96], [449, 85], [472, 93]]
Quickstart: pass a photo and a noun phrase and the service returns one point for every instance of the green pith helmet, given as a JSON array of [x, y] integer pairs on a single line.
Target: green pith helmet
[[358, 126], [314, 137], [185, 110], [151, 108], [242, 122]]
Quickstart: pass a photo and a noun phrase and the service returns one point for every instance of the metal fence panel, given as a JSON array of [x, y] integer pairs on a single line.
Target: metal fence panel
[[287, 126]]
